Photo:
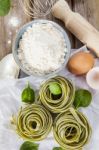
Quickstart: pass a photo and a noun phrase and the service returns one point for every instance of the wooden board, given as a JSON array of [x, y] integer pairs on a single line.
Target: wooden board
[[10, 24]]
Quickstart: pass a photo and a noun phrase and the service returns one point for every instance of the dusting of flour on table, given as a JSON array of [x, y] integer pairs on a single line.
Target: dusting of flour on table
[[42, 49]]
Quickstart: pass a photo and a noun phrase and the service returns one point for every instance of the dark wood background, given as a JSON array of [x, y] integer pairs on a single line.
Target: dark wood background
[[10, 24]]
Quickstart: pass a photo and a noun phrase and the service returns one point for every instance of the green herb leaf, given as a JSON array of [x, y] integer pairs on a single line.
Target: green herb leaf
[[29, 146], [4, 7], [55, 88], [28, 95], [83, 98], [57, 148]]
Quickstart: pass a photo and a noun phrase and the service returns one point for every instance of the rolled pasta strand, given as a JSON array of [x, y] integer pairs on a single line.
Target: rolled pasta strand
[[71, 130], [64, 101], [33, 122]]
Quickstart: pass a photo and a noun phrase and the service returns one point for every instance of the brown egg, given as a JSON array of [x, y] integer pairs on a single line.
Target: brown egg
[[80, 63]]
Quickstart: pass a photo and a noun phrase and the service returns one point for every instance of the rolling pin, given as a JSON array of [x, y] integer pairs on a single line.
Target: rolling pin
[[77, 25]]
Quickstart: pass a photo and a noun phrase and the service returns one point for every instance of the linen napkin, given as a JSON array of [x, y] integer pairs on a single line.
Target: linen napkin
[[10, 102]]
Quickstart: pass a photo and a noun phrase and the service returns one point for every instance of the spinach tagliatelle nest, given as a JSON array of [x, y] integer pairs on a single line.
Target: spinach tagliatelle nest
[[71, 130], [64, 101], [33, 122]]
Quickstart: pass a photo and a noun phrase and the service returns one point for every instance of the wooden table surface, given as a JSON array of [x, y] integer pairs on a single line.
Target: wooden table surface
[[10, 24]]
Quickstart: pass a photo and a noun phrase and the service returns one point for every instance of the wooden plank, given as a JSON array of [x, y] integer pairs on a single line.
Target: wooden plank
[[90, 10], [9, 26]]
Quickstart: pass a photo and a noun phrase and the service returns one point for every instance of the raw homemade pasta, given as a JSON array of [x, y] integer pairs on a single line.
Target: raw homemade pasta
[[71, 130], [33, 122], [64, 101]]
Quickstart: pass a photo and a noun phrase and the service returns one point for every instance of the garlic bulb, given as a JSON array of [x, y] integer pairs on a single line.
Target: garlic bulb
[[8, 67]]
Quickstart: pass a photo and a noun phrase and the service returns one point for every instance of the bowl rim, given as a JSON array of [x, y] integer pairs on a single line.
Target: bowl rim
[[17, 39]]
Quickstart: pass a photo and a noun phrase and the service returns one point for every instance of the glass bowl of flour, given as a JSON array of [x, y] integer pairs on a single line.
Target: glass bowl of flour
[[41, 48]]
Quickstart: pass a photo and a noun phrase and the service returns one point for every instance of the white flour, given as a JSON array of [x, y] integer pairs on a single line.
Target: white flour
[[42, 49]]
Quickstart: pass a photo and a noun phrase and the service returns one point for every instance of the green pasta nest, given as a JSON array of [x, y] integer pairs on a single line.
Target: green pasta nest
[[71, 129], [34, 122], [61, 103]]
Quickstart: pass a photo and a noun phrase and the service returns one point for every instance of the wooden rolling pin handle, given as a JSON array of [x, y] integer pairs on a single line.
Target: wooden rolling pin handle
[[76, 24]]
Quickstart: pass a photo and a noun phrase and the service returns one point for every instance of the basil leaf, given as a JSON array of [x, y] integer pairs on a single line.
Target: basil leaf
[[28, 95], [29, 146], [83, 98], [4, 7], [57, 148], [55, 88]]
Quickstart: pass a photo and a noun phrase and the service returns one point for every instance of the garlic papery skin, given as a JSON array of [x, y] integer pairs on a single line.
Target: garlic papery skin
[[8, 67], [92, 78]]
